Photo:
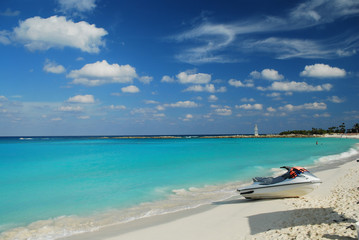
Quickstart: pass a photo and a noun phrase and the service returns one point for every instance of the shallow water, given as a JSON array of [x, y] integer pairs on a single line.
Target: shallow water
[[60, 186]]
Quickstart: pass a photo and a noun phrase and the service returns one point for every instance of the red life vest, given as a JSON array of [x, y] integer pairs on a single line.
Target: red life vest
[[295, 171]]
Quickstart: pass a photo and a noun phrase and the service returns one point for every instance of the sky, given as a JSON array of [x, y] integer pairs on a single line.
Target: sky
[[131, 67]]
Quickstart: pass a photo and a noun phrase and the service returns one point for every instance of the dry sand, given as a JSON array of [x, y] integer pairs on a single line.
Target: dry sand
[[329, 212]]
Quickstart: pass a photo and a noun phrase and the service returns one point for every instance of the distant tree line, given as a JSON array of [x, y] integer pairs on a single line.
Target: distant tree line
[[340, 129]]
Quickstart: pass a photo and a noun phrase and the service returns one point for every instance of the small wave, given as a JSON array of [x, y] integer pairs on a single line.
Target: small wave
[[339, 157], [65, 226], [179, 191]]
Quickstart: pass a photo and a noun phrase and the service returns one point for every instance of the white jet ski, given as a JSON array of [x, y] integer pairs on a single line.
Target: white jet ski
[[296, 182]]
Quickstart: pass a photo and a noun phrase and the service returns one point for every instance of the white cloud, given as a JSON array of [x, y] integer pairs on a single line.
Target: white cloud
[[167, 79], [206, 88], [247, 99], [83, 117], [268, 74], [256, 106], [307, 106], [238, 83], [196, 78], [99, 73], [116, 107], [182, 104], [53, 67], [271, 109], [271, 74], [297, 87], [10, 13], [151, 102], [274, 95], [160, 108], [215, 37], [146, 79], [82, 99], [57, 32], [212, 98], [223, 111], [188, 117], [76, 5], [159, 115], [5, 37], [70, 109], [320, 70], [218, 39], [3, 98], [336, 99], [56, 119], [321, 115], [284, 48], [130, 89]]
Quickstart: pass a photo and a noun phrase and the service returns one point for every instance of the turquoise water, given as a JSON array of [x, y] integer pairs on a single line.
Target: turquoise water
[[62, 179]]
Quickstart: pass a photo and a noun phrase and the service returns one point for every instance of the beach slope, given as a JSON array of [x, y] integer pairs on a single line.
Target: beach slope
[[328, 212]]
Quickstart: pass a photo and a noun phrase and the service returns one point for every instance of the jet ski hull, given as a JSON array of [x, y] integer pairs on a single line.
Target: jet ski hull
[[297, 187], [282, 191]]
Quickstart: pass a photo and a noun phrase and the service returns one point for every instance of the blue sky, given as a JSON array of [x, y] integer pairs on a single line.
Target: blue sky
[[103, 67]]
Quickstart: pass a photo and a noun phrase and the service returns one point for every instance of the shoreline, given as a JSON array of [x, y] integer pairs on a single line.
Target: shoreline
[[215, 136], [239, 218]]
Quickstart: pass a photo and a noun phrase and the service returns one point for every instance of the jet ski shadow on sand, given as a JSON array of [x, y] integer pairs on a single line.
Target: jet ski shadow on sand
[[296, 182]]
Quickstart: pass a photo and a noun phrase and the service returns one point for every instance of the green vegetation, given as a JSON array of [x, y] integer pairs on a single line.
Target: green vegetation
[[340, 129]]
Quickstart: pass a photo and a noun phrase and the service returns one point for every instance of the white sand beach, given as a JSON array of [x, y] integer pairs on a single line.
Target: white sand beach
[[329, 212]]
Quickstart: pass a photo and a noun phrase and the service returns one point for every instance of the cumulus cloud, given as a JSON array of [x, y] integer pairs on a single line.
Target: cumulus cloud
[[308, 106], [223, 111], [82, 99], [297, 87], [146, 79], [248, 106], [247, 99], [116, 107], [320, 70], [195, 78], [268, 74], [188, 117], [130, 89], [76, 5], [70, 109], [167, 79], [53, 67], [336, 99], [99, 73], [271, 109], [182, 104], [238, 83], [206, 88], [212, 98], [151, 102], [57, 32]]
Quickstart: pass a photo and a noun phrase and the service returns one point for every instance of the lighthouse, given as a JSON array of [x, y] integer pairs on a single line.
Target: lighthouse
[[256, 130]]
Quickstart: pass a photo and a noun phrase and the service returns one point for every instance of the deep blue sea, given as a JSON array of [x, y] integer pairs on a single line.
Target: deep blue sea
[[56, 187]]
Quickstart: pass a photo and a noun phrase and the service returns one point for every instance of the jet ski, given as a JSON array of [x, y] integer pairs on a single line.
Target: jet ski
[[296, 182]]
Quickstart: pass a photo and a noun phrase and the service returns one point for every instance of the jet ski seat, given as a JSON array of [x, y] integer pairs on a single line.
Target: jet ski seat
[[268, 180]]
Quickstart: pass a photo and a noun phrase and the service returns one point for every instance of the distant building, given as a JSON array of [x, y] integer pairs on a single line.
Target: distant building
[[256, 130]]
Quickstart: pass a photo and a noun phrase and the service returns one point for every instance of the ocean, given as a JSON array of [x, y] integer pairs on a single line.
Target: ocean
[[56, 187]]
